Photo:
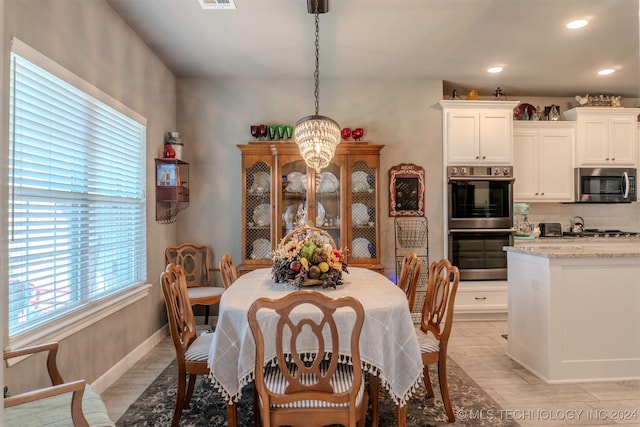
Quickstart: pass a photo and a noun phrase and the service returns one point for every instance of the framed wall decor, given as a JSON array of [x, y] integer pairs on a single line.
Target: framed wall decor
[[167, 174], [406, 190]]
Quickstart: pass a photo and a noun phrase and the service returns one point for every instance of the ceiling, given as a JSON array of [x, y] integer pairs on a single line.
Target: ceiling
[[450, 40]]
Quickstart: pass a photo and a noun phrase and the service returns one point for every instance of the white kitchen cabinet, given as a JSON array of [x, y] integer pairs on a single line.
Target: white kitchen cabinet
[[573, 311], [481, 300], [605, 136], [478, 132], [543, 161]]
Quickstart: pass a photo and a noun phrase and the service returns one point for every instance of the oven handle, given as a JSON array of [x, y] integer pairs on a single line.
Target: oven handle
[[482, 230], [481, 178]]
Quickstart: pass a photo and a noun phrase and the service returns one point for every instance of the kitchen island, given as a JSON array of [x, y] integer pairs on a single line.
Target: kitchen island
[[574, 309]]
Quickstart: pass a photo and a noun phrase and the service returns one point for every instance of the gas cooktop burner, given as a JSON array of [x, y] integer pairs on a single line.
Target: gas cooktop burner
[[590, 232]]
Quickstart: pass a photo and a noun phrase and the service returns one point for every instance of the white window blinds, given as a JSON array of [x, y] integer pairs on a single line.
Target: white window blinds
[[77, 211]]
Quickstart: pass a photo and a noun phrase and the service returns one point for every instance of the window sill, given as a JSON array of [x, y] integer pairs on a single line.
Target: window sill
[[68, 325]]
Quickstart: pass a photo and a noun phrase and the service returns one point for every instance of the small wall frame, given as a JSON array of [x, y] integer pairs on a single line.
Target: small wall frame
[[406, 190]]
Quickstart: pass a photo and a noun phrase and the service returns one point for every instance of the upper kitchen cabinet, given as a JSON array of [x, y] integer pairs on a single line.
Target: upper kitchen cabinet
[[543, 161], [478, 132], [280, 192], [605, 136]]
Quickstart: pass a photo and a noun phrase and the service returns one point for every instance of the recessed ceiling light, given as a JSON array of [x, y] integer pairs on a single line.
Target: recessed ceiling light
[[578, 23], [217, 4], [606, 72], [494, 70]]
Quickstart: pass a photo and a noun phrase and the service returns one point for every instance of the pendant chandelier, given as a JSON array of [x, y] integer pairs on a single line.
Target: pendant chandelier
[[317, 136]]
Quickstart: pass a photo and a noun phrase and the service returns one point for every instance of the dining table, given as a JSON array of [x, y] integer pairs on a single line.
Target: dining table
[[388, 345]]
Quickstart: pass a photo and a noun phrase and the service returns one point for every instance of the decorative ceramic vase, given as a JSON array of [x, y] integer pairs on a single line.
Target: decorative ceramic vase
[[168, 153]]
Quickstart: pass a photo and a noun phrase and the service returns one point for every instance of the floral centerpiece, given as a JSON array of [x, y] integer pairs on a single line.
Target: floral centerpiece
[[307, 256]]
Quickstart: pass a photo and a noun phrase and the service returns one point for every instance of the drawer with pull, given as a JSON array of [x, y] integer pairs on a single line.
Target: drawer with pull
[[470, 299]]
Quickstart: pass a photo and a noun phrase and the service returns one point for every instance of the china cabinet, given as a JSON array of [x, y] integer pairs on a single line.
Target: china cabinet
[[172, 188], [477, 132], [279, 192], [605, 136], [543, 161]]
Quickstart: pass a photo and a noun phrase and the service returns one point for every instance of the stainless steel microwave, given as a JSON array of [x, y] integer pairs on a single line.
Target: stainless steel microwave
[[606, 185]]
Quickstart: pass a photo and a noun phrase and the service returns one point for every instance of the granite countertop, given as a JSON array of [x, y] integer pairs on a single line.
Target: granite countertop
[[577, 248]]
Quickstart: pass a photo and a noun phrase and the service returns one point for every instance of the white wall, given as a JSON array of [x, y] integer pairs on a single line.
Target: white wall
[[92, 41], [214, 116]]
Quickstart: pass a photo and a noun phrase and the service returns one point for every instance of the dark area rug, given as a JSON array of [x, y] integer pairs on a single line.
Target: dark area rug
[[155, 406]]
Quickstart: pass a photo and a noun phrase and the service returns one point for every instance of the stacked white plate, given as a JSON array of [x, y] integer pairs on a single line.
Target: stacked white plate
[[359, 181], [359, 214], [329, 183], [262, 214], [261, 249], [297, 182], [261, 182], [360, 248]]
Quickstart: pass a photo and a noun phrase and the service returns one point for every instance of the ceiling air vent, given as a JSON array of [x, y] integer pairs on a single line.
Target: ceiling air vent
[[217, 4]]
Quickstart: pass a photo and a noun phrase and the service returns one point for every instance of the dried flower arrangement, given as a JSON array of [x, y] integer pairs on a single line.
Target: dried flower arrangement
[[307, 256]]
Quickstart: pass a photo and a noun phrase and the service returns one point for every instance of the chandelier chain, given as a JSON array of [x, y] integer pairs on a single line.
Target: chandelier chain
[[317, 136], [316, 74]]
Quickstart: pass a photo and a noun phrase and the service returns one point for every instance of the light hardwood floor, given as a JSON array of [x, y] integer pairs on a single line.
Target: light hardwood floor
[[479, 348]]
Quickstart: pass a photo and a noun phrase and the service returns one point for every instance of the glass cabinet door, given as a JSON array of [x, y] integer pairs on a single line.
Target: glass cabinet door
[[292, 194], [329, 200], [363, 213], [258, 212]]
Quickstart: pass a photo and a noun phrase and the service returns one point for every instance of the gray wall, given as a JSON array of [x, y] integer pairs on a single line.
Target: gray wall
[[215, 115], [91, 40]]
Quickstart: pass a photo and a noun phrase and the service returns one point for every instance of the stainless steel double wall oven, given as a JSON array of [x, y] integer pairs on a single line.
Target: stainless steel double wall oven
[[480, 220]]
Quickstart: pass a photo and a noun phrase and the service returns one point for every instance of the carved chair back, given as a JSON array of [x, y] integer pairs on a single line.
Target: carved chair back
[[196, 261], [228, 270], [437, 312], [309, 376], [409, 275]]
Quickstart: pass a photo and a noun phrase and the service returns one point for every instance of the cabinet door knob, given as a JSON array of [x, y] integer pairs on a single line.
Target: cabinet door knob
[[484, 157], [607, 159], [542, 194], [613, 159], [537, 194], [477, 157]]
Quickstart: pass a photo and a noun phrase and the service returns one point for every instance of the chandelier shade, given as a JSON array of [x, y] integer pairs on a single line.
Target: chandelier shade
[[317, 138]]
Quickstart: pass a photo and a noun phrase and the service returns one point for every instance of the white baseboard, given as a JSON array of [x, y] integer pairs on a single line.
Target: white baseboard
[[480, 316], [108, 378]]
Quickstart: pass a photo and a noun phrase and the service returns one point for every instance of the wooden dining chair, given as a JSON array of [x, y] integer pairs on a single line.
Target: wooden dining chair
[[196, 261], [435, 326], [192, 351], [228, 270], [409, 275], [317, 384]]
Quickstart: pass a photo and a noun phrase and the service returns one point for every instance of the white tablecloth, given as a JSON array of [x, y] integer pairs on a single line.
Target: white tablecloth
[[388, 344]]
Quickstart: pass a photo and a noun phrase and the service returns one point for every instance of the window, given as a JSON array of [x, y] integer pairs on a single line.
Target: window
[[77, 210]]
